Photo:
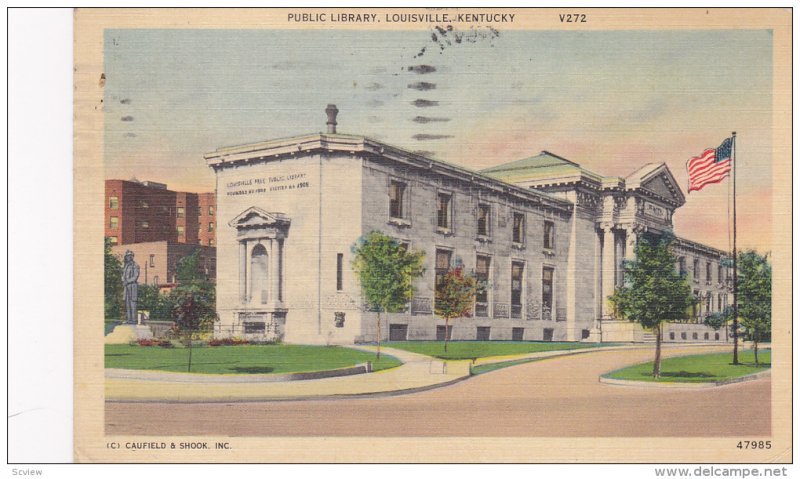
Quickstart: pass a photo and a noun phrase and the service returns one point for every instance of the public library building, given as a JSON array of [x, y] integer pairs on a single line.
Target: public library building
[[547, 235]]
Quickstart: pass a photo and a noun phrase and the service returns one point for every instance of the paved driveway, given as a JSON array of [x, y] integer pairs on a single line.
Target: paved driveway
[[556, 397]]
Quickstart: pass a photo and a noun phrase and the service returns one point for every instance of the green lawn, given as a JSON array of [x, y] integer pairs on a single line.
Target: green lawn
[[697, 369], [250, 359], [483, 349]]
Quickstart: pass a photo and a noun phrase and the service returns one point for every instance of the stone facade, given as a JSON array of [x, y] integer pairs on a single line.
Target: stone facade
[[549, 236]]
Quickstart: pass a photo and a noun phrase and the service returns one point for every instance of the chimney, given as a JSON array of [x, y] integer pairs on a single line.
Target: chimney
[[331, 111]]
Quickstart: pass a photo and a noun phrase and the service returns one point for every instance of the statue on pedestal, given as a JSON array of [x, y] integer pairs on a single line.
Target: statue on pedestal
[[130, 278]]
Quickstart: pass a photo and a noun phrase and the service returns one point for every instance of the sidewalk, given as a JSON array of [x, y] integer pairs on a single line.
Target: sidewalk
[[417, 373]]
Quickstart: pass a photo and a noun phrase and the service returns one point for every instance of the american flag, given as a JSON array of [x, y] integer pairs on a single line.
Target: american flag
[[712, 166]]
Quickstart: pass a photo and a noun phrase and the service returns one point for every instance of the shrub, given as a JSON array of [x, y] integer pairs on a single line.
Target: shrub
[[227, 342], [154, 342]]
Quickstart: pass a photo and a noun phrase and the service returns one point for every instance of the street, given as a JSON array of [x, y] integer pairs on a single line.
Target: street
[[558, 397]]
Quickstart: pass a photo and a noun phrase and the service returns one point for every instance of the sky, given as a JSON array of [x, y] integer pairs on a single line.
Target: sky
[[478, 97]]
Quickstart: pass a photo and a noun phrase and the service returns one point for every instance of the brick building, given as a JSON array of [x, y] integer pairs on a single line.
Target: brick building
[[158, 260], [137, 212], [548, 235]]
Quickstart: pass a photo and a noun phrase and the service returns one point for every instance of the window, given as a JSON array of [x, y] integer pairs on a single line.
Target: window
[[719, 302], [716, 336], [517, 269], [518, 334], [720, 274], [695, 304], [547, 334], [440, 333], [683, 336], [211, 242], [547, 293], [518, 232], [144, 204], [696, 270], [585, 334], [113, 202], [443, 211], [708, 272], [144, 224], [483, 333], [181, 230], [211, 227], [397, 192], [210, 211], [672, 336], [705, 336], [339, 260], [549, 235], [682, 266], [152, 261], [113, 240], [484, 217], [708, 302], [482, 265], [694, 335], [442, 265], [181, 212], [254, 328], [113, 223]]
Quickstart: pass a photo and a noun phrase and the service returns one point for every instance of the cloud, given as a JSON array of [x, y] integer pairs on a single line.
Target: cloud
[[125, 101], [127, 118], [373, 86]]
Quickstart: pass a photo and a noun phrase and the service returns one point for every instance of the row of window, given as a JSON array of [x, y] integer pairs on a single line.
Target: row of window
[[399, 332], [721, 270], [445, 213], [113, 224], [180, 212], [695, 336], [483, 270]]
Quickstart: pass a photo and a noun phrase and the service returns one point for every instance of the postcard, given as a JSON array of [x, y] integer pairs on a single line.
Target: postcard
[[346, 235]]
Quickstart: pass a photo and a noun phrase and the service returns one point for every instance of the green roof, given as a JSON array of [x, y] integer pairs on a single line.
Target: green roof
[[545, 165]]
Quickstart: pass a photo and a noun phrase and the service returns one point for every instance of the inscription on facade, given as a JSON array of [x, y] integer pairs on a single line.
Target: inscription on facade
[[655, 211], [267, 184]]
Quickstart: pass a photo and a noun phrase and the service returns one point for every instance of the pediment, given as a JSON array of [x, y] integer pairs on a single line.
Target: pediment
[[657, 180], [255, 217]]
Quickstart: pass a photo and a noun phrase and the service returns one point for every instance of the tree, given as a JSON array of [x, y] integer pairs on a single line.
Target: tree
[[653, 291], [455, 296], [194, 310], [114, 301], [719, 319], [190, 269], [755, 297], [386, 270]]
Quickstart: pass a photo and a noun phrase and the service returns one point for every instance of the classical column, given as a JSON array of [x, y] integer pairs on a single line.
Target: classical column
[[609, 267], [274, 270], [243, 271]]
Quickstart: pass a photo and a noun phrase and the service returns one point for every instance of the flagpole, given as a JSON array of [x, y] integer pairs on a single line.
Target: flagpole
[[735, 254]]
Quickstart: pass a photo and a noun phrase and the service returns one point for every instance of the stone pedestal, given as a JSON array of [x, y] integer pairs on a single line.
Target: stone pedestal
[[126, 333]]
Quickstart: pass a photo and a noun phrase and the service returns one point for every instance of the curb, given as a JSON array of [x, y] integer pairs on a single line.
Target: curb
[[201, 378], [679, 385]]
